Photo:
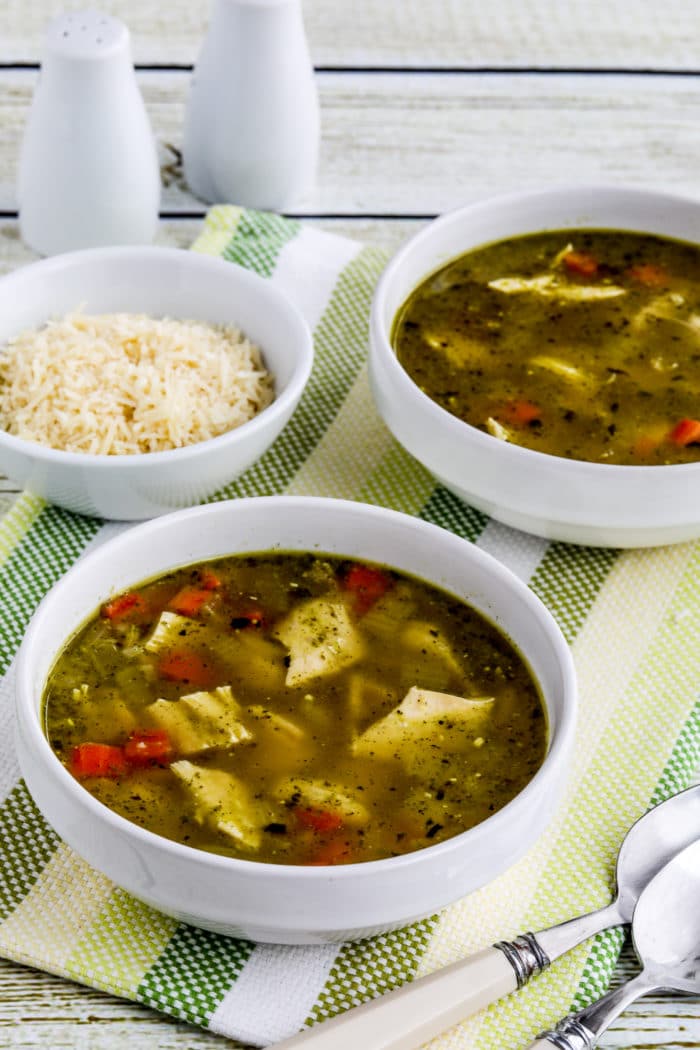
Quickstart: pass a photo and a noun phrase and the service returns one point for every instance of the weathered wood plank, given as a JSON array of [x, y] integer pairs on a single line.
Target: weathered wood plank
[[443, 33], [40, 1010], [405, 145]]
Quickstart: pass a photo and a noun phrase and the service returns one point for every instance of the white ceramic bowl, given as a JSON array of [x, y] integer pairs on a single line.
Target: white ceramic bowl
[[161, 282], [569, 500], [285, 903]]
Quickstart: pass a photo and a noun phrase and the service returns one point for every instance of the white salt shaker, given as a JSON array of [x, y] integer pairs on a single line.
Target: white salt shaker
[[88, 172], [252, 126]]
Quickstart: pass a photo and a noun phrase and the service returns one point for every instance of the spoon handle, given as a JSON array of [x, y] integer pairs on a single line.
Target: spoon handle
[[582, 1030], [410, 1015]]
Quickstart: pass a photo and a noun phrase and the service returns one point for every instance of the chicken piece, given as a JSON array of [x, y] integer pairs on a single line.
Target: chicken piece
[[670, 308], [426, 639], [247, 654], [321, 640], [200, 722], [428, 658], [561, 255], [321, 794], [497, 429], [276, 723], [551, 286], [459, 350], [223, 802], [168, 632], [423, 718], [562, 369]]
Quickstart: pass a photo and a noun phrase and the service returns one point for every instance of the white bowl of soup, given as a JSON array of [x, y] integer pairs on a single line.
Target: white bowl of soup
[[295, 720], [138, 380], [540, 354]]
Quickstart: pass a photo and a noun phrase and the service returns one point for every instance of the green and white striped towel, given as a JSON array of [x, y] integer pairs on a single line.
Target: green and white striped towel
[[633, 622]]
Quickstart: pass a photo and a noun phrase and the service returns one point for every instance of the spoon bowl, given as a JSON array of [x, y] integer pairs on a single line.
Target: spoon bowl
[[666, 926]]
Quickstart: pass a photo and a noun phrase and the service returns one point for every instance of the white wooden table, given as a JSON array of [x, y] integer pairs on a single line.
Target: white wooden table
[[426, 104]]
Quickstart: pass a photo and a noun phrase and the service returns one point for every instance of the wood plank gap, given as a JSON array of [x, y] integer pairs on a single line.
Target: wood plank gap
[[535, 70], [350, 216], [320, 216], [427, 70]]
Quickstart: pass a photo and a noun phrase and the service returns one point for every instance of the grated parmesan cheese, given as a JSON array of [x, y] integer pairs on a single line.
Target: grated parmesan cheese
[[118, 384]]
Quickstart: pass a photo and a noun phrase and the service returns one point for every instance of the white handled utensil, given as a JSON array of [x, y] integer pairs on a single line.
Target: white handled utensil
[[408, 1016], [666, 934]]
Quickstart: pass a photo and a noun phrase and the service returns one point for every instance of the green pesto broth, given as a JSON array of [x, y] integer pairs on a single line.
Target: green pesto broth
[[580, 343], [295, 708]]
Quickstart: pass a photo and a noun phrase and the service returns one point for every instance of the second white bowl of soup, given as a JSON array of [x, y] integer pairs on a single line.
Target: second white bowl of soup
[[315, 720], [540, 354]]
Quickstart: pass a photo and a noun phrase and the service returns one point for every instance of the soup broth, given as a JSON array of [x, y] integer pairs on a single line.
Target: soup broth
[[295, 708], [583, 344]]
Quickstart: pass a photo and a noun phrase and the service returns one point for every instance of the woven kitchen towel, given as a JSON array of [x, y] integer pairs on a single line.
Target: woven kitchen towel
[[632, 620]]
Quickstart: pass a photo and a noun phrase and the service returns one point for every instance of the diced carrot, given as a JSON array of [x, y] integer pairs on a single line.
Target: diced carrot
[[337, 851], [321, 820], [148, 745], [189, 600], [581, 263], [124, 606], [520, 412], [367, 585], [184, 665], [686, 432], [209, 580], [98, 760], [645, 444], [650, 274]]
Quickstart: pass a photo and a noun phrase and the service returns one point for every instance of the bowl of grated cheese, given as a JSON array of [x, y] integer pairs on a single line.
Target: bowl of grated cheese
[[135, 381]]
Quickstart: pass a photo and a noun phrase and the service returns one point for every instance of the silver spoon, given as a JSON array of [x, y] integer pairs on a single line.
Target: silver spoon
[[666, 935], [410, 1015]]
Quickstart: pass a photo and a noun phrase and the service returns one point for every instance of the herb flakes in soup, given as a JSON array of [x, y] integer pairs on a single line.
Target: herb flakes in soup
[[581, 343], [295, 708]]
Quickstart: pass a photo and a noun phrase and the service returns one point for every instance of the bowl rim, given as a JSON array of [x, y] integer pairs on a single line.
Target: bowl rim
[[381, 341], [559, 746], [280, 405]]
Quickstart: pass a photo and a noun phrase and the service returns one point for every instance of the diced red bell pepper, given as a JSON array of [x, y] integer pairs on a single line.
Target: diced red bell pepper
[[520, 412], [337, 851], [686, 432], [98, 760], [124, 606], [189, 600], [367, 585], [209, 580], [581, 263], [184, 665], [320, 820], [649, 274], [148, 745]]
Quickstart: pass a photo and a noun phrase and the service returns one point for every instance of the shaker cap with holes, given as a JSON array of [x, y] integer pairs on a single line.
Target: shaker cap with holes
[[88, 35]]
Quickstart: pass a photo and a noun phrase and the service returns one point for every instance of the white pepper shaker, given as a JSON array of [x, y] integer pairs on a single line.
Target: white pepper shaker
[[252, 126], [88, 172]]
